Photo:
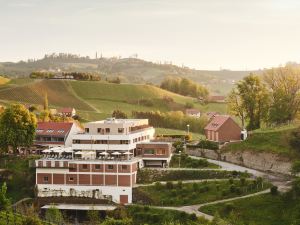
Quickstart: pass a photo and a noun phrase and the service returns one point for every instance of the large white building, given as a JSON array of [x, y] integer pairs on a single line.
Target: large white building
[[102, 162]]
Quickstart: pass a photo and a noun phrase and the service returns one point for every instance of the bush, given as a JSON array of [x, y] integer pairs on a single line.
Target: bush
[[179, 185], [158, 185], [169, 185], [228, 208], [206, 144], [274, 190]]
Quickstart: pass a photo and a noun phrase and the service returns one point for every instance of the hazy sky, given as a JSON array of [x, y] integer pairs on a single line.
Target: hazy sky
[[204, 34]]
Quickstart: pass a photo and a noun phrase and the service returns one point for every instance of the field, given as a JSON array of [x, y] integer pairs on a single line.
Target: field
[[97, 100], [176, 194], [259, 210], [195, 136], [274, 140]]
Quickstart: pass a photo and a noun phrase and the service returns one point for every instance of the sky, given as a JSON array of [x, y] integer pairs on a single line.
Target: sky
[[201, 34]]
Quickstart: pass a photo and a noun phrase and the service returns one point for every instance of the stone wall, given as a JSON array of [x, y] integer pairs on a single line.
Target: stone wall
[[263, 161]]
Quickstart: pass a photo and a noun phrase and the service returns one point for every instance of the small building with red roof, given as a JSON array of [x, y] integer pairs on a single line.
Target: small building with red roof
[[55, 134], [68, 112], [193, 113], [223, 128]]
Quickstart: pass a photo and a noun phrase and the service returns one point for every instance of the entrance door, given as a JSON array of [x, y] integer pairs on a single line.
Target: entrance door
[[123, 199]]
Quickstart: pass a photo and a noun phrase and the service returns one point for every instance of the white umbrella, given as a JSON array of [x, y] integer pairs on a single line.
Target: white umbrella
[[127, 153], [69, 150], [58, 150], [103, 153], [79, 153], [116, 153], [89, 153], [47, 151]]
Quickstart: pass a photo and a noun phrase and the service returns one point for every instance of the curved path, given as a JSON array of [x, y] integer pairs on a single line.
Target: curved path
[[281, 181]]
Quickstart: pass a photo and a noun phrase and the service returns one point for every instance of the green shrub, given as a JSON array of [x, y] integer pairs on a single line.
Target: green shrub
[[206, 144], [169, 185], [274, 190]]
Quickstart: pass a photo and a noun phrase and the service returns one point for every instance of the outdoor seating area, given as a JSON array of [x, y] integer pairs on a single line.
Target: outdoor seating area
[[69, 153]]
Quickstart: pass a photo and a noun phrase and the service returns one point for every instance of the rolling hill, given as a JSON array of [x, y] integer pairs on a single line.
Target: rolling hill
[[96, 100], [131, 70]]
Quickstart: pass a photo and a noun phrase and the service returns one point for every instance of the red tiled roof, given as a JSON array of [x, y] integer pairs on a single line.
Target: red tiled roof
[[53, 129], [192, 111], [217, 122], [65, 110]]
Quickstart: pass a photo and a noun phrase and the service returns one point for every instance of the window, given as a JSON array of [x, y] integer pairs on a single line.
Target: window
[[84, 166], [99, 130], [39, 130], [61, 131], [107, 130], [161, 152], [110, 167], [50, 131], [71, 178], [87, 130], [46, 179], [76, 141], [97, 167], [124, 167], [149, 151], [120, 130]]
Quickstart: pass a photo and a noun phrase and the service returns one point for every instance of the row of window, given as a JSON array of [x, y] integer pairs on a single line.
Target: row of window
[[98, 167], [50, 139], [104, 130], [118, 142], [153, 151]]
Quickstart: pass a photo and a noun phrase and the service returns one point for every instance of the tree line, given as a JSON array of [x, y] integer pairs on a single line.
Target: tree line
[[65, 75], [271, 99], [184, 87], [173, 120]]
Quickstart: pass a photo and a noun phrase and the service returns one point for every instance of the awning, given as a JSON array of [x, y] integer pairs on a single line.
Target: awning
[[86, 207]]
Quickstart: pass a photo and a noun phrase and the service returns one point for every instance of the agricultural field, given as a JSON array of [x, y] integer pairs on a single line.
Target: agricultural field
[[264, 209]]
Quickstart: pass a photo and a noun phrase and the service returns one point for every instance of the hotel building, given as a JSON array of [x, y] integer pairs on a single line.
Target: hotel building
[[102, 162]]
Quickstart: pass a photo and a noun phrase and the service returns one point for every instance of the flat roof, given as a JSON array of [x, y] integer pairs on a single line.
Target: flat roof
[[113, 120], [81, 207]]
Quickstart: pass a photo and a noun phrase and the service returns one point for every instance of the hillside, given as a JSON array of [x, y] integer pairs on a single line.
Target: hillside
[[97, 100], [274, 140], [131, 70]]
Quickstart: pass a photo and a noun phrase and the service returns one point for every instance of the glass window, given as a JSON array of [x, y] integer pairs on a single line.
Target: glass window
[[46, 179], [124, 167], [107, 130], [110, 167], [87, 130], [99, 130], [149, 151], [97, 167], [120, 130], [84, 166], [71, 178]]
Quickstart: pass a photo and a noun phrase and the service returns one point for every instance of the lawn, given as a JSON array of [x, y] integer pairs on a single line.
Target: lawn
[[178, 194], [260, 210], [188, 162], [274, 140], [166, 131], [20, 178]]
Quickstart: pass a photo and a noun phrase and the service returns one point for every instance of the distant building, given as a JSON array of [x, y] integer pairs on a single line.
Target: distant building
[[217, 98], [223, 128], [211, 115], [55, 134], [67, 112], [193, 113]]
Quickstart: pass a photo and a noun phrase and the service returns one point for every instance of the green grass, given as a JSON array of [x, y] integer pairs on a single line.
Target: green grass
[[160, 131], [188, 162], [21, 179], [260, 210], [193, 193], [275, 140]]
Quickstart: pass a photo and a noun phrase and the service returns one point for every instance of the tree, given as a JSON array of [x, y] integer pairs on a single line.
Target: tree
[[118, 114], [93, 217], [46, 106], [17, 127], [254, 99], [295, 139], [4, 201], [295, 167], [284, 86], [53, 215], [235, 105]]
